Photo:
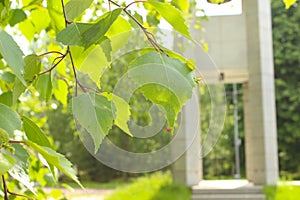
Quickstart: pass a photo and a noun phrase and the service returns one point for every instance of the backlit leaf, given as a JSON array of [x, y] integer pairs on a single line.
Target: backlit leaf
[[75, 7], [171, 15], [40, 19], [94, 64], [61, 91], [56, 14], [122, 114]]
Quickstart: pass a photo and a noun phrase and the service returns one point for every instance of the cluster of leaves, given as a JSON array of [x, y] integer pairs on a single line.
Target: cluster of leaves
[[286, 43], [64, 41]]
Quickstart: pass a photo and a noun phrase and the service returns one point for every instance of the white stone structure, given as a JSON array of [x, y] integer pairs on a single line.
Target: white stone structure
[[241, 47]]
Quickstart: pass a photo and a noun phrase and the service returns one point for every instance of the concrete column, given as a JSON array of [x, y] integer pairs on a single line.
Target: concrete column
[[260, 111], [188, 168]]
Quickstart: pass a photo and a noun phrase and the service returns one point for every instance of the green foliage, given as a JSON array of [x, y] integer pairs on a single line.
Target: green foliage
[[85, 35], [65, 40], [157, 186], [286, 43]]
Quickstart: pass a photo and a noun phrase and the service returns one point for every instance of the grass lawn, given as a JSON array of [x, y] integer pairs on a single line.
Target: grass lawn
[[157, 186], [282, 192]]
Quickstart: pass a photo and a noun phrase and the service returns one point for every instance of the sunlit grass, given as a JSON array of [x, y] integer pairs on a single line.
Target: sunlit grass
[[282, 192], [157, 186]]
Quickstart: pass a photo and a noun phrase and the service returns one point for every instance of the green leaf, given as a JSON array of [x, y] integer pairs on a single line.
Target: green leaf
[[56, 159], [16, 16], [92, 66], [56, 14], [121, 25], [171, 15], [40, 19], [75, 7], [20, 170], [73, 34], [106, 47], [4, 137], [27, 29], [12, 54], [181, 4], [94, 113], [19, 88], [44, 86], [122, 112], [118, 35], [8, 77], [6, 98], [60, 91], [9, 120], [32, 67], [87, 34], [163, 80], [6, 163], [34, 133]]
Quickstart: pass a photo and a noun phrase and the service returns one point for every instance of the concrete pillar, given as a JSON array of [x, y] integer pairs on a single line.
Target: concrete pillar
[[188, 168], [259, 99]]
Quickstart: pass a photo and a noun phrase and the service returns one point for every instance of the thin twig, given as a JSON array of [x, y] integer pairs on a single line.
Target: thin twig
[[149, 35], [50, 52], [5, 188], [109, 6], [19, 195], [134, 2], [55, 65], [67, 22], [16, 142]]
